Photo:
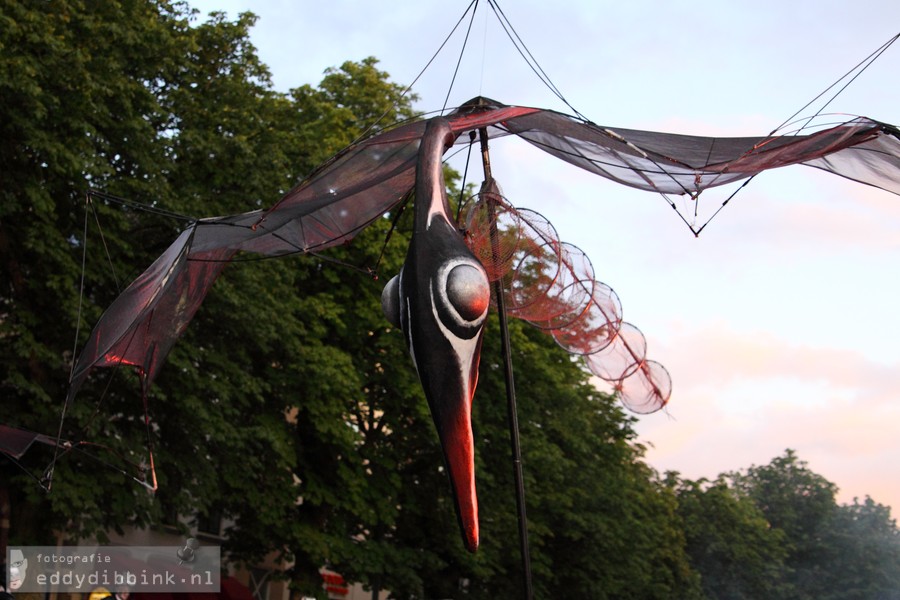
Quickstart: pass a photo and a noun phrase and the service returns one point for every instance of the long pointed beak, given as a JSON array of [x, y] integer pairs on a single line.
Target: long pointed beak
[[446, 349], [449, 392]]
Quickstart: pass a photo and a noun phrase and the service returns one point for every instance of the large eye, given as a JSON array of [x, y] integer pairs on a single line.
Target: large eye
[[461, 295], [468, 291]]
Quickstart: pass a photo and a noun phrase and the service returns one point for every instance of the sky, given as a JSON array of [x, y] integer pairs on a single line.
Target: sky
[[778, 324]]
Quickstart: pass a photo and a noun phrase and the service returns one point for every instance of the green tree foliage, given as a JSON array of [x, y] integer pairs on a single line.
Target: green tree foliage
[[136, 100], [79, 104], [800, 503], [865, 543], [776, 531], [820, 535], [731, 545]]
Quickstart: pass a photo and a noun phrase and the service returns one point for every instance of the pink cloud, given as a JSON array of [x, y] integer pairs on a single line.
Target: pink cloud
[[743, 398], [822, 212]]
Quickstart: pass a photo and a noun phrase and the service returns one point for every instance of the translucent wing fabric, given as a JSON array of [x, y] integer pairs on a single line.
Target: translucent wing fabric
[[15, 442], [370, 177], [863, 150]]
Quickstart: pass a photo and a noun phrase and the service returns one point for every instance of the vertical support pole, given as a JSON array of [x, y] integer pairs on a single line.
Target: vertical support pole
[[510, 388]]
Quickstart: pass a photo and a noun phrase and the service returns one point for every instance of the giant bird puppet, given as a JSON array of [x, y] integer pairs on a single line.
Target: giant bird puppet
[[441, 297]]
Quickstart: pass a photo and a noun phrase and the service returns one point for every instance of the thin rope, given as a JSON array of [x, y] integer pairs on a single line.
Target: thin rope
[[80, 311], [462, 187], [387, 238], [484, 43], [342, 263], [462, 52], [103, 395], [422, 72], [371, 127], [674, 206], [113, 451], [144, 393], [861, 67], [526, 54], [140, 206], [89, 204], [78, 447], [48, 472], [727, 200], [38, 480], [112, 268]]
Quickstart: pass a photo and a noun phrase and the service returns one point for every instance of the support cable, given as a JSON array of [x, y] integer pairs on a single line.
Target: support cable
[[462, 52], [860, 68], [526, 54], [407, 89]]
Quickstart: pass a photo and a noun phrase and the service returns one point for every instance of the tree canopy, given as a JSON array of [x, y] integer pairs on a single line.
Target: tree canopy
[[291, 406]]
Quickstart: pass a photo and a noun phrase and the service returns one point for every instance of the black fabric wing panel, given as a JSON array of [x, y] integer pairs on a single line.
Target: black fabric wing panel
[[143, 323], [861, 149], [875, 162], [15, 442]]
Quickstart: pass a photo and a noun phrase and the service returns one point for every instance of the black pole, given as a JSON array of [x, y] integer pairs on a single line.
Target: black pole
[[510, 384]]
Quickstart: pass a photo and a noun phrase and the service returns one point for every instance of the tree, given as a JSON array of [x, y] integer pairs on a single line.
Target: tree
[[865, 544], [133, 100], [730, 543], [800, 503], [831, 551], [78, 107]]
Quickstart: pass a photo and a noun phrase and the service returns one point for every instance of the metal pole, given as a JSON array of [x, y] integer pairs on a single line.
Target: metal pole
[[510, 387]]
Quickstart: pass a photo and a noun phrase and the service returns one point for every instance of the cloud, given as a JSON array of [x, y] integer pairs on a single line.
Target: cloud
[[742, 398], [726, 355], [818, 212]]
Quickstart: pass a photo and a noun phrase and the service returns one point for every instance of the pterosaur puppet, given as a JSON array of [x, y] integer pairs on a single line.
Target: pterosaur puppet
[[441, 297]]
